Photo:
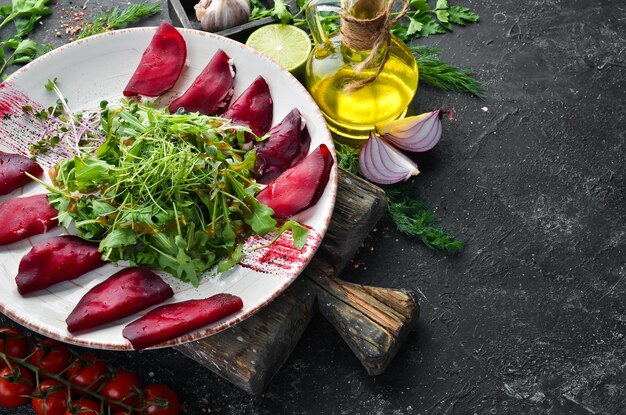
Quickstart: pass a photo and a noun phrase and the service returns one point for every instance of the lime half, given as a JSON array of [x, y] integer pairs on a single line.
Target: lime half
[[286, 45]]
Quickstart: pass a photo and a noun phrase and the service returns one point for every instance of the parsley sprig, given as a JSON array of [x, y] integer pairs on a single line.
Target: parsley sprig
[[424, 21], [18, 48]]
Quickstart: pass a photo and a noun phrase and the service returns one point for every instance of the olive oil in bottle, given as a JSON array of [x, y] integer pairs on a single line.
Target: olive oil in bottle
[[386, 86]]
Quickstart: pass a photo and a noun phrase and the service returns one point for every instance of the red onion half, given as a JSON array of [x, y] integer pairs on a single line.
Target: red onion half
[[419, 133], [381, 163]]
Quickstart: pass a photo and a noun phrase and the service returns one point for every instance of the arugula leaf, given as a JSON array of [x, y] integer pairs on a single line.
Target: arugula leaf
[[118, 238], [299, 233], [261, 220]]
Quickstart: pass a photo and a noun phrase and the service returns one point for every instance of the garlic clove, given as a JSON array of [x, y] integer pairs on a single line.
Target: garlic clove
[[216, 15], [200, 8]]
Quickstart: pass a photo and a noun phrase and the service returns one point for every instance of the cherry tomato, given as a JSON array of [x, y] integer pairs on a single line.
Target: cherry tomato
[[16, 384], [123, 387], [159, 400], [50, 398], [13, 342], [50, 356], [87, 371], [84, 406]]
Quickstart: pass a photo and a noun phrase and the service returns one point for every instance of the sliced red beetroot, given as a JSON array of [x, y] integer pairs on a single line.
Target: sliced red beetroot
[[122, 294], [272, 172], [301, 186], [253, 108], [12, 171], [173, 320], [23, 217], [283, 143], [60, 258], [161, 63], [305, 143], [212, 90]]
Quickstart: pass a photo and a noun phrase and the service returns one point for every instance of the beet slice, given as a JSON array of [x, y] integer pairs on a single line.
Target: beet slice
[[301, 186], [122, 294], [60, 258], [161, 63], [283, 143], [253, 108], [12, 169], [212, 90], [173, 320], [305, 144], [23, 217], [270, 173]]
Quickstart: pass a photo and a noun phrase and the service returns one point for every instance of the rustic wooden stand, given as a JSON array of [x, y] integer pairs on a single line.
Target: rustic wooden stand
[[373, 321]]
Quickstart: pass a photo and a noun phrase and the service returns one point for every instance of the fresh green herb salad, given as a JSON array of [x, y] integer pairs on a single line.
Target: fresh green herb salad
[[168, 191]]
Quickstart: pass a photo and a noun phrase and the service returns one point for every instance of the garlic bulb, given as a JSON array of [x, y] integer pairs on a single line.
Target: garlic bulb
[[216, 15]]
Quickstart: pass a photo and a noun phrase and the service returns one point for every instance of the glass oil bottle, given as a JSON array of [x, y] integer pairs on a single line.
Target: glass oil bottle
[[354, 99]]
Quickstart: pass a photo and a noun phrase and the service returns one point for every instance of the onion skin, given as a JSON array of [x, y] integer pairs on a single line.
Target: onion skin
[[381, 163], [416, 134]]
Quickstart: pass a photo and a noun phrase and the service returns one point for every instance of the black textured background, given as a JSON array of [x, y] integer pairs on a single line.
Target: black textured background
[[530, 318]]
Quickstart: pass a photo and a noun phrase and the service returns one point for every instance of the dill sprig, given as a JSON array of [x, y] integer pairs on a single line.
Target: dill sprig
[[347, 158], [413, 215], [116, 18], [410, 212], [434, 71]]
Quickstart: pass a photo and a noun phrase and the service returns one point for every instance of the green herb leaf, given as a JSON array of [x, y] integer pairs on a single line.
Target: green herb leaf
[[50, 84], [462, 15], [414, 27], [434, 71], [441, 11], [298, 232], [413, 216], [25, 51], [118, 238], [347, 157], [158, 191], [261, 220], [117, 18], [419, 21], [281, 12]]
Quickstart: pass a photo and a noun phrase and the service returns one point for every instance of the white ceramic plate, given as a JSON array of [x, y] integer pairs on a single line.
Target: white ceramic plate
[[98, 68]]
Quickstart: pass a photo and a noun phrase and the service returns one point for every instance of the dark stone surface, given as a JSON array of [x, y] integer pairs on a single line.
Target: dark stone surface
[[531, 317]]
